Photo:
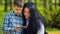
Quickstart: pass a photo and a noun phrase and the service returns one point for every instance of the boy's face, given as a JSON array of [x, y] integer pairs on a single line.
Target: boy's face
[[17, 10]]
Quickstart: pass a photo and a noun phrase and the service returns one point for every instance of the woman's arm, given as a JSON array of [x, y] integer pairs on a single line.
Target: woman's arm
[[41, 31]]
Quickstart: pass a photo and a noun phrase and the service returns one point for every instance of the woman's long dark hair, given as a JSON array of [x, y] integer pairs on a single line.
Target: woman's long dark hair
[[35, 16]]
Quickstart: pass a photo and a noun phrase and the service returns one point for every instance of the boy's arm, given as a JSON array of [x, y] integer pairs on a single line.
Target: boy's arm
[[6, 24]]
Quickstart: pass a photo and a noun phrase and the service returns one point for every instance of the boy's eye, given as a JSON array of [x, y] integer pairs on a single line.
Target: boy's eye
[[17, 9]]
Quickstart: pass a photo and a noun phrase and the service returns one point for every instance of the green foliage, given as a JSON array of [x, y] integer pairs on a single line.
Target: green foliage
[[51, 14], [2, 14]]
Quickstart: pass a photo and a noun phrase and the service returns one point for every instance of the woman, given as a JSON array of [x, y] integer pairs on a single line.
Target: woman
[[32, 19]]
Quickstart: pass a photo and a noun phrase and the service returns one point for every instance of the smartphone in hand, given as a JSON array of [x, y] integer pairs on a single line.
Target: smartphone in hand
[[23, 27]]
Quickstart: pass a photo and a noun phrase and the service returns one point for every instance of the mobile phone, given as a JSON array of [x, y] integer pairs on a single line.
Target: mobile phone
[[22, 27]]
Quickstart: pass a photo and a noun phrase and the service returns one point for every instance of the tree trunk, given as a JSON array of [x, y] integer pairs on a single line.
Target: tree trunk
[[29, 0], [55, 3], [45, 3], [5, 5], [50, 5], [36, 2], [59, 2], [24, 1], [0, 1], [10, 4], [45, 6]]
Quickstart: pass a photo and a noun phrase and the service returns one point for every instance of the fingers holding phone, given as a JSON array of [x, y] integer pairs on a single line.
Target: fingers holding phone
[[18, 29]]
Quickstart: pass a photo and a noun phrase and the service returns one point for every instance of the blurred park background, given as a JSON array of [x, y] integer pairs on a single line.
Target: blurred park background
[[50, 9]]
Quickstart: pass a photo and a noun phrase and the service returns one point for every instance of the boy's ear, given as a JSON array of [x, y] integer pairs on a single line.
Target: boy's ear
[[13, 7]]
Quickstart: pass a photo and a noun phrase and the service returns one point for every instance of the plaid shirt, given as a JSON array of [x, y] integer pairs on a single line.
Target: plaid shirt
[[10, 22]]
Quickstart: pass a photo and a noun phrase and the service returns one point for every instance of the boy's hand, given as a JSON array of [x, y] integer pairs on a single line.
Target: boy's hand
[[18, 29]]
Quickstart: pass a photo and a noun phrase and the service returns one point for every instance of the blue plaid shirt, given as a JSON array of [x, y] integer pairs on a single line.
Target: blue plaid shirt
[[10, 21]]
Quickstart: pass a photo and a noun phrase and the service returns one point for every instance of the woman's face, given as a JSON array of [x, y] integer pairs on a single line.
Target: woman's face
[[26, 13]]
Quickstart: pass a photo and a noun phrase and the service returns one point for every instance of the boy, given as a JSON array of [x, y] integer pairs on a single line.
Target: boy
[[13, 19]]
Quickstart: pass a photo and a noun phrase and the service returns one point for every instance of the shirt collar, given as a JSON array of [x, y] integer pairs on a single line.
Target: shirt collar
[[17, 15]]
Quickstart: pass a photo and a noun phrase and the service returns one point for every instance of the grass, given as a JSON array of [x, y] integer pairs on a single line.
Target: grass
[[53, 31]]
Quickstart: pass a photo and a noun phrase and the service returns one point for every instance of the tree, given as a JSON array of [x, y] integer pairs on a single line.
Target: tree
[[59, 2], [5, 5], [55, 3], [45, 6], [0, 1], [35, 2], [29, 0], [10, 4], [50, 5], [24, 1], [45, 3]]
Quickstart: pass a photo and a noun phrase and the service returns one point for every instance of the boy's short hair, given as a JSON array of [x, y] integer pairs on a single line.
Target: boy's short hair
[[18, 3]]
